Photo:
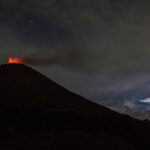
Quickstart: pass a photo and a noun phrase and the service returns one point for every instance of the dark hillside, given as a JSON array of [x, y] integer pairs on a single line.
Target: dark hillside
[[37, 113]]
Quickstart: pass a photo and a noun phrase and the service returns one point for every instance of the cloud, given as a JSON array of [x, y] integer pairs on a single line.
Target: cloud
[[146, 100], [113, 34]]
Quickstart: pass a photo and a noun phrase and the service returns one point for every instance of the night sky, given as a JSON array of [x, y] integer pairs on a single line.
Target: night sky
[[99, 49]]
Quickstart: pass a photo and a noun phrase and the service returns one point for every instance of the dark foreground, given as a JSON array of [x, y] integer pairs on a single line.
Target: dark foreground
[[38, 114]]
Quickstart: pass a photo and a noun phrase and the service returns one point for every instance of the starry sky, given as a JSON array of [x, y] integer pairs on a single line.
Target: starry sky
[[99, 49]]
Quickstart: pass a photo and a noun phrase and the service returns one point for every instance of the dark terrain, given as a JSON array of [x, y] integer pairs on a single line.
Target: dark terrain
[[36, 113]]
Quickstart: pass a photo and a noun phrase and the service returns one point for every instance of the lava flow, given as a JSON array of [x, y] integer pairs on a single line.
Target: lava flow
[[15, 60]]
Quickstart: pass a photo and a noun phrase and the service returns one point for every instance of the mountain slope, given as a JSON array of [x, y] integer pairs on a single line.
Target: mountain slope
[[27, 86], [37, 113]]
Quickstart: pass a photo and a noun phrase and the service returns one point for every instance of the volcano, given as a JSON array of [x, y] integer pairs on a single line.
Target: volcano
[[37, 113], [20, 84]]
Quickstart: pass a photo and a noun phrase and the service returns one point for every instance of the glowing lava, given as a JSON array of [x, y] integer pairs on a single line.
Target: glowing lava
[[15, 60]]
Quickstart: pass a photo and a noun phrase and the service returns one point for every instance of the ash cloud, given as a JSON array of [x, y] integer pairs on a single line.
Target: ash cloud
[[70, 58], [114, 34]]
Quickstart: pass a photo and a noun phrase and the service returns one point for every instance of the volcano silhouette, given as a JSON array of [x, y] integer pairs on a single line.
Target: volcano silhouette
[[37, 113], [20, 84]]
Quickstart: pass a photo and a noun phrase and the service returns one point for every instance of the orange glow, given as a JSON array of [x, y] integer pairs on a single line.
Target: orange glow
[[15, 60]]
